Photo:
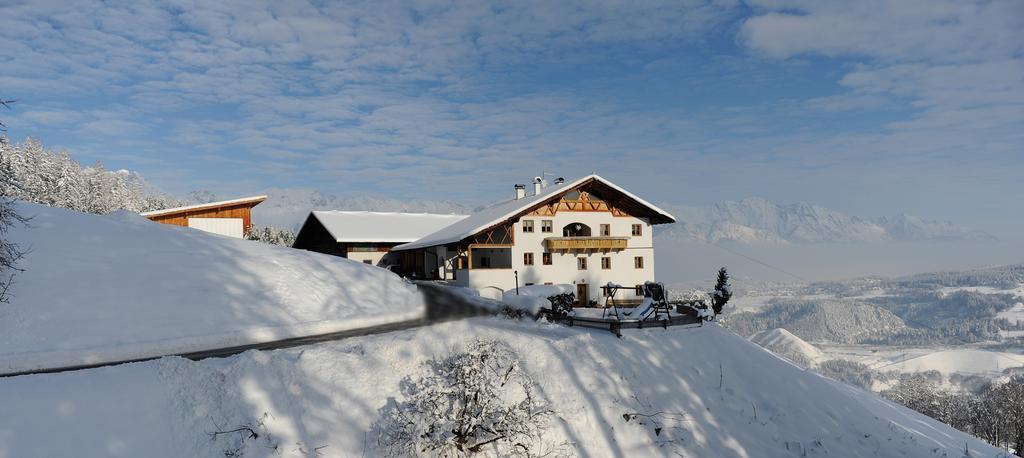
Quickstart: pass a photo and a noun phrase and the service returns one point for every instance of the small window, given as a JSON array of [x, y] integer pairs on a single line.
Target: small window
[[548, 283], [638, 229], [639, 290], [546, 225], [528, 284], [527, 259], [606, 230], [606, 263], [367, 261], [527, 225], [546, 259], [638, 262], [581, 263]]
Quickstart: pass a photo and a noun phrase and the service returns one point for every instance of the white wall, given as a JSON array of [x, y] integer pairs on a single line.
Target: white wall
[[231, 227], [563, 269], [362, 256]]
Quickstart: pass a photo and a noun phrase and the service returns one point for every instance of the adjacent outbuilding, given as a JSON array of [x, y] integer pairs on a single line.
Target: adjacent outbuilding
[[367, 236], [232, 218]]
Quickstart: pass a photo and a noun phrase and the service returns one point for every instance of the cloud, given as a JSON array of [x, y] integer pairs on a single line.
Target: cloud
[[453, 97]]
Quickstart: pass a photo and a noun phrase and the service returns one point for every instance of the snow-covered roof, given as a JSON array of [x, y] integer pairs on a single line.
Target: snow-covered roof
[[254, 200], [502, 211], [382, 227]]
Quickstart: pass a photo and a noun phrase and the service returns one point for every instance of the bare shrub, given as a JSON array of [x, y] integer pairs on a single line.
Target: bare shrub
[[475, 401]]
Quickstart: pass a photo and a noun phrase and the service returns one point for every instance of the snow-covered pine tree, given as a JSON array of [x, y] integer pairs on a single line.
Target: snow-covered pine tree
[[34, 174], [722, 293], [271, 235]]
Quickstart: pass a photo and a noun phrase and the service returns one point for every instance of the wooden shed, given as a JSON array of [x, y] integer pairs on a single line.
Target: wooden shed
[[228, 217]]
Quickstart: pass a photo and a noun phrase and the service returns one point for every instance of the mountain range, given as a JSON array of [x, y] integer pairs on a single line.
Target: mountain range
[[750, 221], [759, 221]]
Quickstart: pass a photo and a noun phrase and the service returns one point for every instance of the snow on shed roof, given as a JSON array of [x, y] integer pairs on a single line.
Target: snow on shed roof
[[501, 211], [254, 200], [382, 227]]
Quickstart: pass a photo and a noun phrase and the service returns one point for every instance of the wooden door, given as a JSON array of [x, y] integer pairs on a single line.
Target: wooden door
[[582, 300]]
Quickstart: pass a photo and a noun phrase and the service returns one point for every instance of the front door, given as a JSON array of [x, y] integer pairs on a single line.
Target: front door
[[582, 300]]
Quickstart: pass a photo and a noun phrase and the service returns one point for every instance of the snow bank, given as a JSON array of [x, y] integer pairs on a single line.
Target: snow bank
[[534, 297], [103, 288], [736, 400]]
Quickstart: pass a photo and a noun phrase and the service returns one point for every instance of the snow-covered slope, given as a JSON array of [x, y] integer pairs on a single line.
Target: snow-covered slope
[[786, 344], [98, 288], [820, 320], [718, 395], [757, 220]]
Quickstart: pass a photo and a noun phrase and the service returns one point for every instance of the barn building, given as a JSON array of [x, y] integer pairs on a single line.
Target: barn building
[[587, 232], [366, 236], [232, 218]]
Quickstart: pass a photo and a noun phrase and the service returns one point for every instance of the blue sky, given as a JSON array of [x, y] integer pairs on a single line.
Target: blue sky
[[871, 108]]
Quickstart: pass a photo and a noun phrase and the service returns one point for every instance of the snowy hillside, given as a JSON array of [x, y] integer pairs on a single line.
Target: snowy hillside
[[708, 391], [100, 288], [757, 220], [820, 320], [788, 345]]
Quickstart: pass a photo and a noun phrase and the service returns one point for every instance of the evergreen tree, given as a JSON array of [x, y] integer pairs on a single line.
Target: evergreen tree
[[723, 291]]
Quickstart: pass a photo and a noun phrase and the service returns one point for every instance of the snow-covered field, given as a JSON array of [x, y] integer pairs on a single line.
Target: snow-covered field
[[720, 396], [106, 288]]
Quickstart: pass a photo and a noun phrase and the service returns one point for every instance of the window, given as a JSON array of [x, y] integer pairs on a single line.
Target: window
[[548, 283], [485, 261], [546, 226], [546, 259], [367, 261], [606, 230], [639, 290], [606, 263], [527, 259], [638, 229], [638, 262], [527, 225], [581, 263]]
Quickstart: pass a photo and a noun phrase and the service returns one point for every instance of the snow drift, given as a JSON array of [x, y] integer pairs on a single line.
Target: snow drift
[[718, 395], [104, 288]]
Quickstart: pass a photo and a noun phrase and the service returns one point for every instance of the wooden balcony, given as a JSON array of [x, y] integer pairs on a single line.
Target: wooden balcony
[[585, 243]]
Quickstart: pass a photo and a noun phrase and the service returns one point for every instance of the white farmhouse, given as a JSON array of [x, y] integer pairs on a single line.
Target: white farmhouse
[[587, 232]]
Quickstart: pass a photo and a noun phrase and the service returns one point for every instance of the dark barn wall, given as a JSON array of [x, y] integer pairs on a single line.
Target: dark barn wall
[[314, 237]]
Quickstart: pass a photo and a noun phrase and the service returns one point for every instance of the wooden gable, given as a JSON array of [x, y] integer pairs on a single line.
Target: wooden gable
[[583, 199]]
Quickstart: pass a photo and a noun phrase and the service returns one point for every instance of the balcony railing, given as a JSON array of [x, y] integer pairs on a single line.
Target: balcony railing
[[585, 243]]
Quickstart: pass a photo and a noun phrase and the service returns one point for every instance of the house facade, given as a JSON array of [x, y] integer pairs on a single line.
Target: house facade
[[585, 232]]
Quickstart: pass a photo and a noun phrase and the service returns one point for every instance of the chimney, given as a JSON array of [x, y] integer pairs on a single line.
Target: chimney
[[559, 181], [538, 183], [520, 191]]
